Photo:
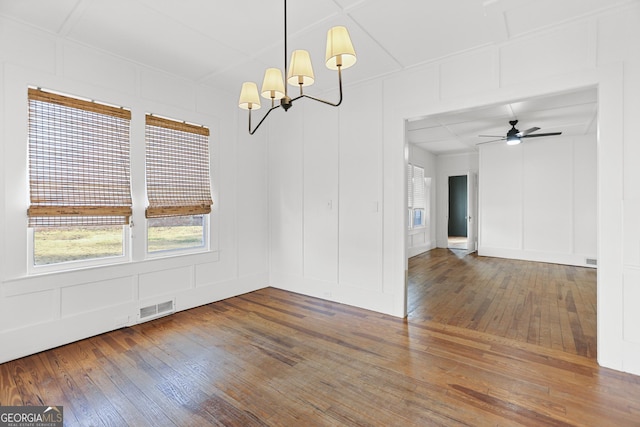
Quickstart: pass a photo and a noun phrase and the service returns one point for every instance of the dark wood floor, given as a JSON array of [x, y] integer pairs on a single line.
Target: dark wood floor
[[274, 358], [550, 305]]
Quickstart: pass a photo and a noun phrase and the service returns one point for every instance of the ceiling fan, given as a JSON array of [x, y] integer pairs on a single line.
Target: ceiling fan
[[514, 136]]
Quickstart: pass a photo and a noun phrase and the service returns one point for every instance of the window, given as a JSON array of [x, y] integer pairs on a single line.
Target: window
[[78, 177], [417, 201], [177, 232], [418, 218], [178, 190]]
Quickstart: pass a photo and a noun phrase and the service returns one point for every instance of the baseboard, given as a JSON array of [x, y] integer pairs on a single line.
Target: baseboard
[[338, 292], [32, 339], [577, 260], [417, 250]]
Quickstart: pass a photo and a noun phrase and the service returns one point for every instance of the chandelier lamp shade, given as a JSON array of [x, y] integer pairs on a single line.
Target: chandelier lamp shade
[[340, 55]]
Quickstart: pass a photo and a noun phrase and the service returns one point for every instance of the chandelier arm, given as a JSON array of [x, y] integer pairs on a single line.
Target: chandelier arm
[[251, 132], [322, 100]]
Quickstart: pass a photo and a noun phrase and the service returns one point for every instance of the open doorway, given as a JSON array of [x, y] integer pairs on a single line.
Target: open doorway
[[461, 212], [457, 234], [538, 201]]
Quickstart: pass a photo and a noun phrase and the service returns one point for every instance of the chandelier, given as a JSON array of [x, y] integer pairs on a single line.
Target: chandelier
[[339, 55]]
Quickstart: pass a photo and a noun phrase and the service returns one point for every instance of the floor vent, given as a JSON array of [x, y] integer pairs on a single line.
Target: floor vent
[[156, 310], [592, 261]]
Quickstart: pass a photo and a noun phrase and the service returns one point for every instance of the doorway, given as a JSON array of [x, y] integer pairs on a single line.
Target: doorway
[[457, 231], [461, 209], [423, 277]]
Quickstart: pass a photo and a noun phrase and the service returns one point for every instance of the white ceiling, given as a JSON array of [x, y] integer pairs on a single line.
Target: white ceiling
[[573, 114], [223, 43]]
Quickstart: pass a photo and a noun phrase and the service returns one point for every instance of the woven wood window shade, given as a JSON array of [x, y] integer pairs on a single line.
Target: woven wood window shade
[[177, 171], [78, 162]]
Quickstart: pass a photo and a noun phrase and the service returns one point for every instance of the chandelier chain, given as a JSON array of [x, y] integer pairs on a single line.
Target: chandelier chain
[[285, 48]]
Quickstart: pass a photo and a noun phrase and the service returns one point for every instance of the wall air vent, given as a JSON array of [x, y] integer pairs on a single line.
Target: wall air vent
[[156, 310], [592, 261], [149, 311], [164, 307]]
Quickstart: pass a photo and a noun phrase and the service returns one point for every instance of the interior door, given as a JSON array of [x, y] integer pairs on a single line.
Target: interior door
[[458, 203]]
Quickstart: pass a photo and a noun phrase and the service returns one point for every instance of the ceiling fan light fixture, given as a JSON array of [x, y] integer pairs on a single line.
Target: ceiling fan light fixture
[[514, 136], [513, 140]]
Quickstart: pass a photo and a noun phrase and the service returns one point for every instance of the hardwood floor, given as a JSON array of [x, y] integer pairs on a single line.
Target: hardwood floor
[[275, 358], [550, 305]]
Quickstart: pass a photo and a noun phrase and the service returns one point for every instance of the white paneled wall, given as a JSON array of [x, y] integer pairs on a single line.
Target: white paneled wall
[[251, 204], [585, 195], [539, 56], [326, 200], [360, 228], [86, 65], [315, 202], [321, 193], [548, 196], [79, 299], [597, 51], [286, 145], [46, 310], [501, 209], [458, 79], [538, 200]]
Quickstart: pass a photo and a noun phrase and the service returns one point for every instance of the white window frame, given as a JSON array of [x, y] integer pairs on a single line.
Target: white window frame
[[206, 246], [411, 191], [33, 269]]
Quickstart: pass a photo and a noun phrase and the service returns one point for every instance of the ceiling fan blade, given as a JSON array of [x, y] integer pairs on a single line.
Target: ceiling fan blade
[[491, 136], [487, 142], [527, 132], [542, 134]]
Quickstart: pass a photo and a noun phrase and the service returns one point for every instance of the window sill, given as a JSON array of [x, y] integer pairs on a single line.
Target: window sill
[[417, 230]]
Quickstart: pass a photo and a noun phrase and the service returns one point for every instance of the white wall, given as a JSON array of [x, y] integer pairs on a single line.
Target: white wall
[[355, 250], [43, 311], [539, 200], [422, 239], [326, 199], [597, 51]]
